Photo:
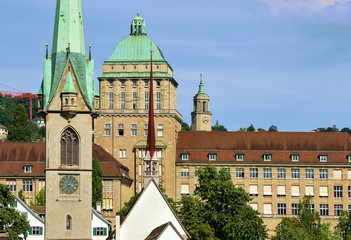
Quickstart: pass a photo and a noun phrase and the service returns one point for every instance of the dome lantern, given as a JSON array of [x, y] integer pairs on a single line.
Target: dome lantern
[[137, 26]]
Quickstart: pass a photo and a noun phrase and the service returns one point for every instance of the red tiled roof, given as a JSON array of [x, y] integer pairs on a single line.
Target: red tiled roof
[[13, 156], [309, 145], [3, 127]]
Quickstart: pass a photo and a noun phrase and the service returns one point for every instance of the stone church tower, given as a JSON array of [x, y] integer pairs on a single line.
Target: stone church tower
[[69, 102], [201, 116]]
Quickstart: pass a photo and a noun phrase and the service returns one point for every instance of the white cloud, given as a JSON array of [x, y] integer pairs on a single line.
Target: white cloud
[[296, 5]]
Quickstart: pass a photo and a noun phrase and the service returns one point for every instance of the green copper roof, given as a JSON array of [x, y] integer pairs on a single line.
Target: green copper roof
[[135, 75], [40, 92], [136, 47], [96, 93], [201, 86], [142, 144], [69, 88]]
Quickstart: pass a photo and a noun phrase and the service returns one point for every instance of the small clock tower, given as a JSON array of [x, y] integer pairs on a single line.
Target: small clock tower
[[201, 116], [69, 102]]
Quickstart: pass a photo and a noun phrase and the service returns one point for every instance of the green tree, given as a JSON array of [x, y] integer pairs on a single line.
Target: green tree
[[21, 196], [39, 198], [96, 182], [273, 128], [10, 219], [251, 128], [218, 127], [185, 126], [19, 130], [226, 207], [343, 228], [127, 205]]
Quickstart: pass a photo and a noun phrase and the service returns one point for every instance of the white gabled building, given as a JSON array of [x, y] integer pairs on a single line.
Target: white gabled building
[[100, 226], [151, 217]]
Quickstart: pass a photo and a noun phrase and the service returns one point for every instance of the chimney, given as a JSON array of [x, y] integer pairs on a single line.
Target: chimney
[[98, 206], [89, 52], [118, 226]]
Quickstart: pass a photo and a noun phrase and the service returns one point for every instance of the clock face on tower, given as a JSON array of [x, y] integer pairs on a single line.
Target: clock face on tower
[[68, 184], [205, 119]]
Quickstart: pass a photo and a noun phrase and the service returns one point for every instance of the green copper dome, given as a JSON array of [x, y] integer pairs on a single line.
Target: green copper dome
[[136, 47]]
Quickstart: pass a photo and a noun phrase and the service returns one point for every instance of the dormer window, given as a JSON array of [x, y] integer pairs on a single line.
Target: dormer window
[[348, 158], [323, 158], [27, 168], [295, 157], [239, 157], [185, 156], [267, 157], [212, 156]]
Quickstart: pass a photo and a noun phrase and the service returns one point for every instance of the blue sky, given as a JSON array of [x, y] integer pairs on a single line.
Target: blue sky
[[264, 62]]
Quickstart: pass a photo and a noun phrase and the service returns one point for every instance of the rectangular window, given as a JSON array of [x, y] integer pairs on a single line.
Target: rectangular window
[[295, 157], [309, 173], [134, 100], [11, 184], [27, 185], [185, 156], [281, 173], [120, 129], [123, 100], [267, 157], [253, 172], [281, 191], [36, 231], [294, 209], [99, 231], [122, 153], [134, 130], [281, 208], [107, 186], [323, 173], [111, 100], [158, 100], [267, 190], [267, 208], [184, 190], [159, 130], [295, 191], [146, 100], [111, 84], [349, 158], [311, 206], [195, 174], [254, 206], [134, 84], [337, 191], [323, 191], [309, 191], [295, 173], [253, 190], [146, 83], [337, 175], [123, 84], [108, 130], [267, 172], [212, 156], [337, 209], [184, 173], [349, 191], [239, 173], [239, 157], [323, 209], [323, 158], [27, 168]]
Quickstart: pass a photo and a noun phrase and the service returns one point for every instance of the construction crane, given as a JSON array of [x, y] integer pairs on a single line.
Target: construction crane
[[20, 94]]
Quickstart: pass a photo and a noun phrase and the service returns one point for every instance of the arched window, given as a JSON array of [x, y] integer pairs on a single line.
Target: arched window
[[68, 222], [72, 101], [66, 101], [69, 148]]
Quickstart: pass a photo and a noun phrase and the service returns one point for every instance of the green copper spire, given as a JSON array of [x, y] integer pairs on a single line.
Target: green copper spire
[[137, 26], [69, 88], [201, 86]]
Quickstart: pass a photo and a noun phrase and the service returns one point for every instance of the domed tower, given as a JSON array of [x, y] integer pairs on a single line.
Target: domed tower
[[122, 126], [201, 116]]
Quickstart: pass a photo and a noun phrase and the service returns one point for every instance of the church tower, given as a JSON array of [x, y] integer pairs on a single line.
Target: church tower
[[69, 102], [201, 116]]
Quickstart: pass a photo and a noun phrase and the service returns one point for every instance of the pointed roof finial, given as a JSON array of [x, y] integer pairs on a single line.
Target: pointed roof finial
[[201, 86], [137, 26]]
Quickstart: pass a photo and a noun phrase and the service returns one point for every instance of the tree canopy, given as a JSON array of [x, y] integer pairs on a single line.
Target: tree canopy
[[185, 126], [19, 130], [251, 128], [96, 182], [218, 127], [343, 228], [273, 128], [39, 198], [10, 219]]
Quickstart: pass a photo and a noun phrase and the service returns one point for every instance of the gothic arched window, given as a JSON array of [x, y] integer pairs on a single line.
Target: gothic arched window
[[68, 222], [72, 101], [69, 147]]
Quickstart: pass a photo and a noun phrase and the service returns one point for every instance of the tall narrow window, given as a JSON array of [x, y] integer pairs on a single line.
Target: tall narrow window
[[123, 100], [204, 107], [68, 222], [111, 100], [158, 100], [134, 100], [146, 100], [69, 147]]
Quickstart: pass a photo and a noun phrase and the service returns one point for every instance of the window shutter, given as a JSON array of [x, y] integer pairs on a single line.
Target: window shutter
[[267, 208], [25, 214], [105, 231], [41, 230], [295, 191], [184, 189], [323, 191], [267, 190], [94, 231], [253, 189], [254, 206], [30, 231], [337, 174], [281, 190], [349, 174], [309, 190]]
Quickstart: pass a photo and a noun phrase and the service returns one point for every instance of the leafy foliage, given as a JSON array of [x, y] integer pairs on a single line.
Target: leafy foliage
[[21, 196], [251, 128], [128, 205], [96, 182], [10, 219], [218, 127], [39, 199], [185, 126], [273, 128], [343, 228], [19, 130], [38, 134]]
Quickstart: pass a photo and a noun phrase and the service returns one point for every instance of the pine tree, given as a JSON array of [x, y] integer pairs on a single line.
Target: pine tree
[[19, 130]]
